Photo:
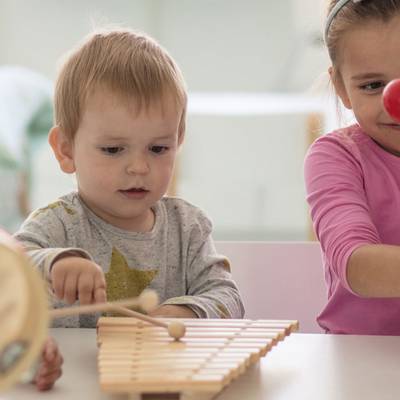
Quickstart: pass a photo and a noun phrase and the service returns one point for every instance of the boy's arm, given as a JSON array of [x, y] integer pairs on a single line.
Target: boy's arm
[[211, 291], [173, 311], [44, 240], [71, 273]]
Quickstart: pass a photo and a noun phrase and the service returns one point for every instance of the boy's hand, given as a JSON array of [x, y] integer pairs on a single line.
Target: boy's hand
[[49, 369], [173, 311], [76, 278]]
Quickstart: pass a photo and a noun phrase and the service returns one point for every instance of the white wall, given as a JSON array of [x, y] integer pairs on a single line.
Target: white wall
[[36, 33], [236, 45], [309, 57], [247, 173], [254, 45], [221, 45]]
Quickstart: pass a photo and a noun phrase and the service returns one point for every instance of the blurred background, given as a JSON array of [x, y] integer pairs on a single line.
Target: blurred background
[[258, 96]]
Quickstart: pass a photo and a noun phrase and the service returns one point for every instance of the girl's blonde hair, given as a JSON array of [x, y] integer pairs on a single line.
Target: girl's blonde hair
[[353, 14], [130, 64]]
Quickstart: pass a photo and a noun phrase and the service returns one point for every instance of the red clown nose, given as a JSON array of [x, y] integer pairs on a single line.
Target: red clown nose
[[391, 99]]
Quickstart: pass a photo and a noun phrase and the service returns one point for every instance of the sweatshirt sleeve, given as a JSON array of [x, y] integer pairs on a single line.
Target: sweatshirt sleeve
[[43, 236], [211, 291], [338, 204]]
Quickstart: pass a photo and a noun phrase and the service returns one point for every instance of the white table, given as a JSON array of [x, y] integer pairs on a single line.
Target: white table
[[304, 366]]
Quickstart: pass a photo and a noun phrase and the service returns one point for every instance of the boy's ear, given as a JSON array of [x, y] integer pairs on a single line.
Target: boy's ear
[[63, 149], [340, 89], [182, 128], [180, 138]]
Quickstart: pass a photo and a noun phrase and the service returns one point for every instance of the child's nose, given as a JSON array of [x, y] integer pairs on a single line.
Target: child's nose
[[138, 166]]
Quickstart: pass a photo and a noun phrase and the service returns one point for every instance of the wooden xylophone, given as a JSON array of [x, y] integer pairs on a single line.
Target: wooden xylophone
[[138, 358]]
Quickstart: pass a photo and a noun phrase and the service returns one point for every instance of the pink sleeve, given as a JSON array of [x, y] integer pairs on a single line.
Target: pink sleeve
[[339, 209]]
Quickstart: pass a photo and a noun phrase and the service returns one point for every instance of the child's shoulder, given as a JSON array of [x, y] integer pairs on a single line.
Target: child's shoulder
[[352, 135], [348, 141], [66, 207], [185, 212]]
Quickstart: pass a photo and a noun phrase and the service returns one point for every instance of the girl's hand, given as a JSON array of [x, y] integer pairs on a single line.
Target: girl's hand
[[49, 369]]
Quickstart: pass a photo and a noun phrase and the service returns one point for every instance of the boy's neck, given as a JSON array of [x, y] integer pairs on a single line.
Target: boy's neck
[[144, 224]]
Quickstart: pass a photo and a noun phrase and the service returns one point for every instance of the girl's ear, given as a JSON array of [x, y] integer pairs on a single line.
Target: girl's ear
[[63, 149], [340, 89]]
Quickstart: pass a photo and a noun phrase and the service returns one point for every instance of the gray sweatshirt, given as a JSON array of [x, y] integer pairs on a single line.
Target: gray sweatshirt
[[177, 258]]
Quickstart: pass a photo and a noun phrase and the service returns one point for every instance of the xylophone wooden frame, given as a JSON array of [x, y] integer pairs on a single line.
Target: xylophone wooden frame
[[131, 351]]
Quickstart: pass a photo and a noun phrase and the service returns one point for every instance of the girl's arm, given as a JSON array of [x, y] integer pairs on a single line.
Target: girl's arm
[[341, 213], [374, 271]]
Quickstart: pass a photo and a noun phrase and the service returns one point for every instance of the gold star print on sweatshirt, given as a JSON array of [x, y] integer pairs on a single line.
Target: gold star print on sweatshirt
[[124, 281]]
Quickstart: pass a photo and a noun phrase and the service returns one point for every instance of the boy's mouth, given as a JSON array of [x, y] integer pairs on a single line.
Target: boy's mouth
[[134, 192]]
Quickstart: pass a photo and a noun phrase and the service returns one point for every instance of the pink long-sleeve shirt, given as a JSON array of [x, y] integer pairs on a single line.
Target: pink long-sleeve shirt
[[353, 189]]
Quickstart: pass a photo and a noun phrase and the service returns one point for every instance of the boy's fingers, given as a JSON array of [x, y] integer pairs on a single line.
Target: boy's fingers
[[55, 360], [99, 293], [47, 382], [50, 350], [51, 358], [70, 288], [43, 386], [85, 288], [58, 281], [48, 370]]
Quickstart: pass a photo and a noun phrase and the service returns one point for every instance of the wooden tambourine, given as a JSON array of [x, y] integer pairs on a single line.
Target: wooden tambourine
[[24, 316]]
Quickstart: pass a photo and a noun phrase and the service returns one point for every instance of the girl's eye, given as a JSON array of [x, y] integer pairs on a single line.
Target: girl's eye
[[111, 150], [373, 86], [158, 149]]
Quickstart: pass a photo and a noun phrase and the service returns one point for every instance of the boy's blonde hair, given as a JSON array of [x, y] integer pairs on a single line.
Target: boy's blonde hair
[[130, 64], [353, 14]]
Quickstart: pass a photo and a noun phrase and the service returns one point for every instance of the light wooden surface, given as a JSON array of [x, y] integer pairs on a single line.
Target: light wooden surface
[[304, 366]]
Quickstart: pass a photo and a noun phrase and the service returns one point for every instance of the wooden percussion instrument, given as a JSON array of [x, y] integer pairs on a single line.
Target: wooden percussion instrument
[[24, 316], [136, 358]]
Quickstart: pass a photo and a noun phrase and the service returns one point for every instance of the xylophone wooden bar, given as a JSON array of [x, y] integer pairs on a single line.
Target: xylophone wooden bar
[[138, 358]]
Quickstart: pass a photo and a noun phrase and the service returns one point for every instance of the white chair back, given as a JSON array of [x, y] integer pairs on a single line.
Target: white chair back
[[279, 280]]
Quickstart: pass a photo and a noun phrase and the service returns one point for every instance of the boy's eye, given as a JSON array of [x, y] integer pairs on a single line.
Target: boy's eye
[[112, 150], [158, 149], [373, 86]]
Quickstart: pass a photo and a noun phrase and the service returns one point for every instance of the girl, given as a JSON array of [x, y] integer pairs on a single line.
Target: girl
[[353, 175]]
